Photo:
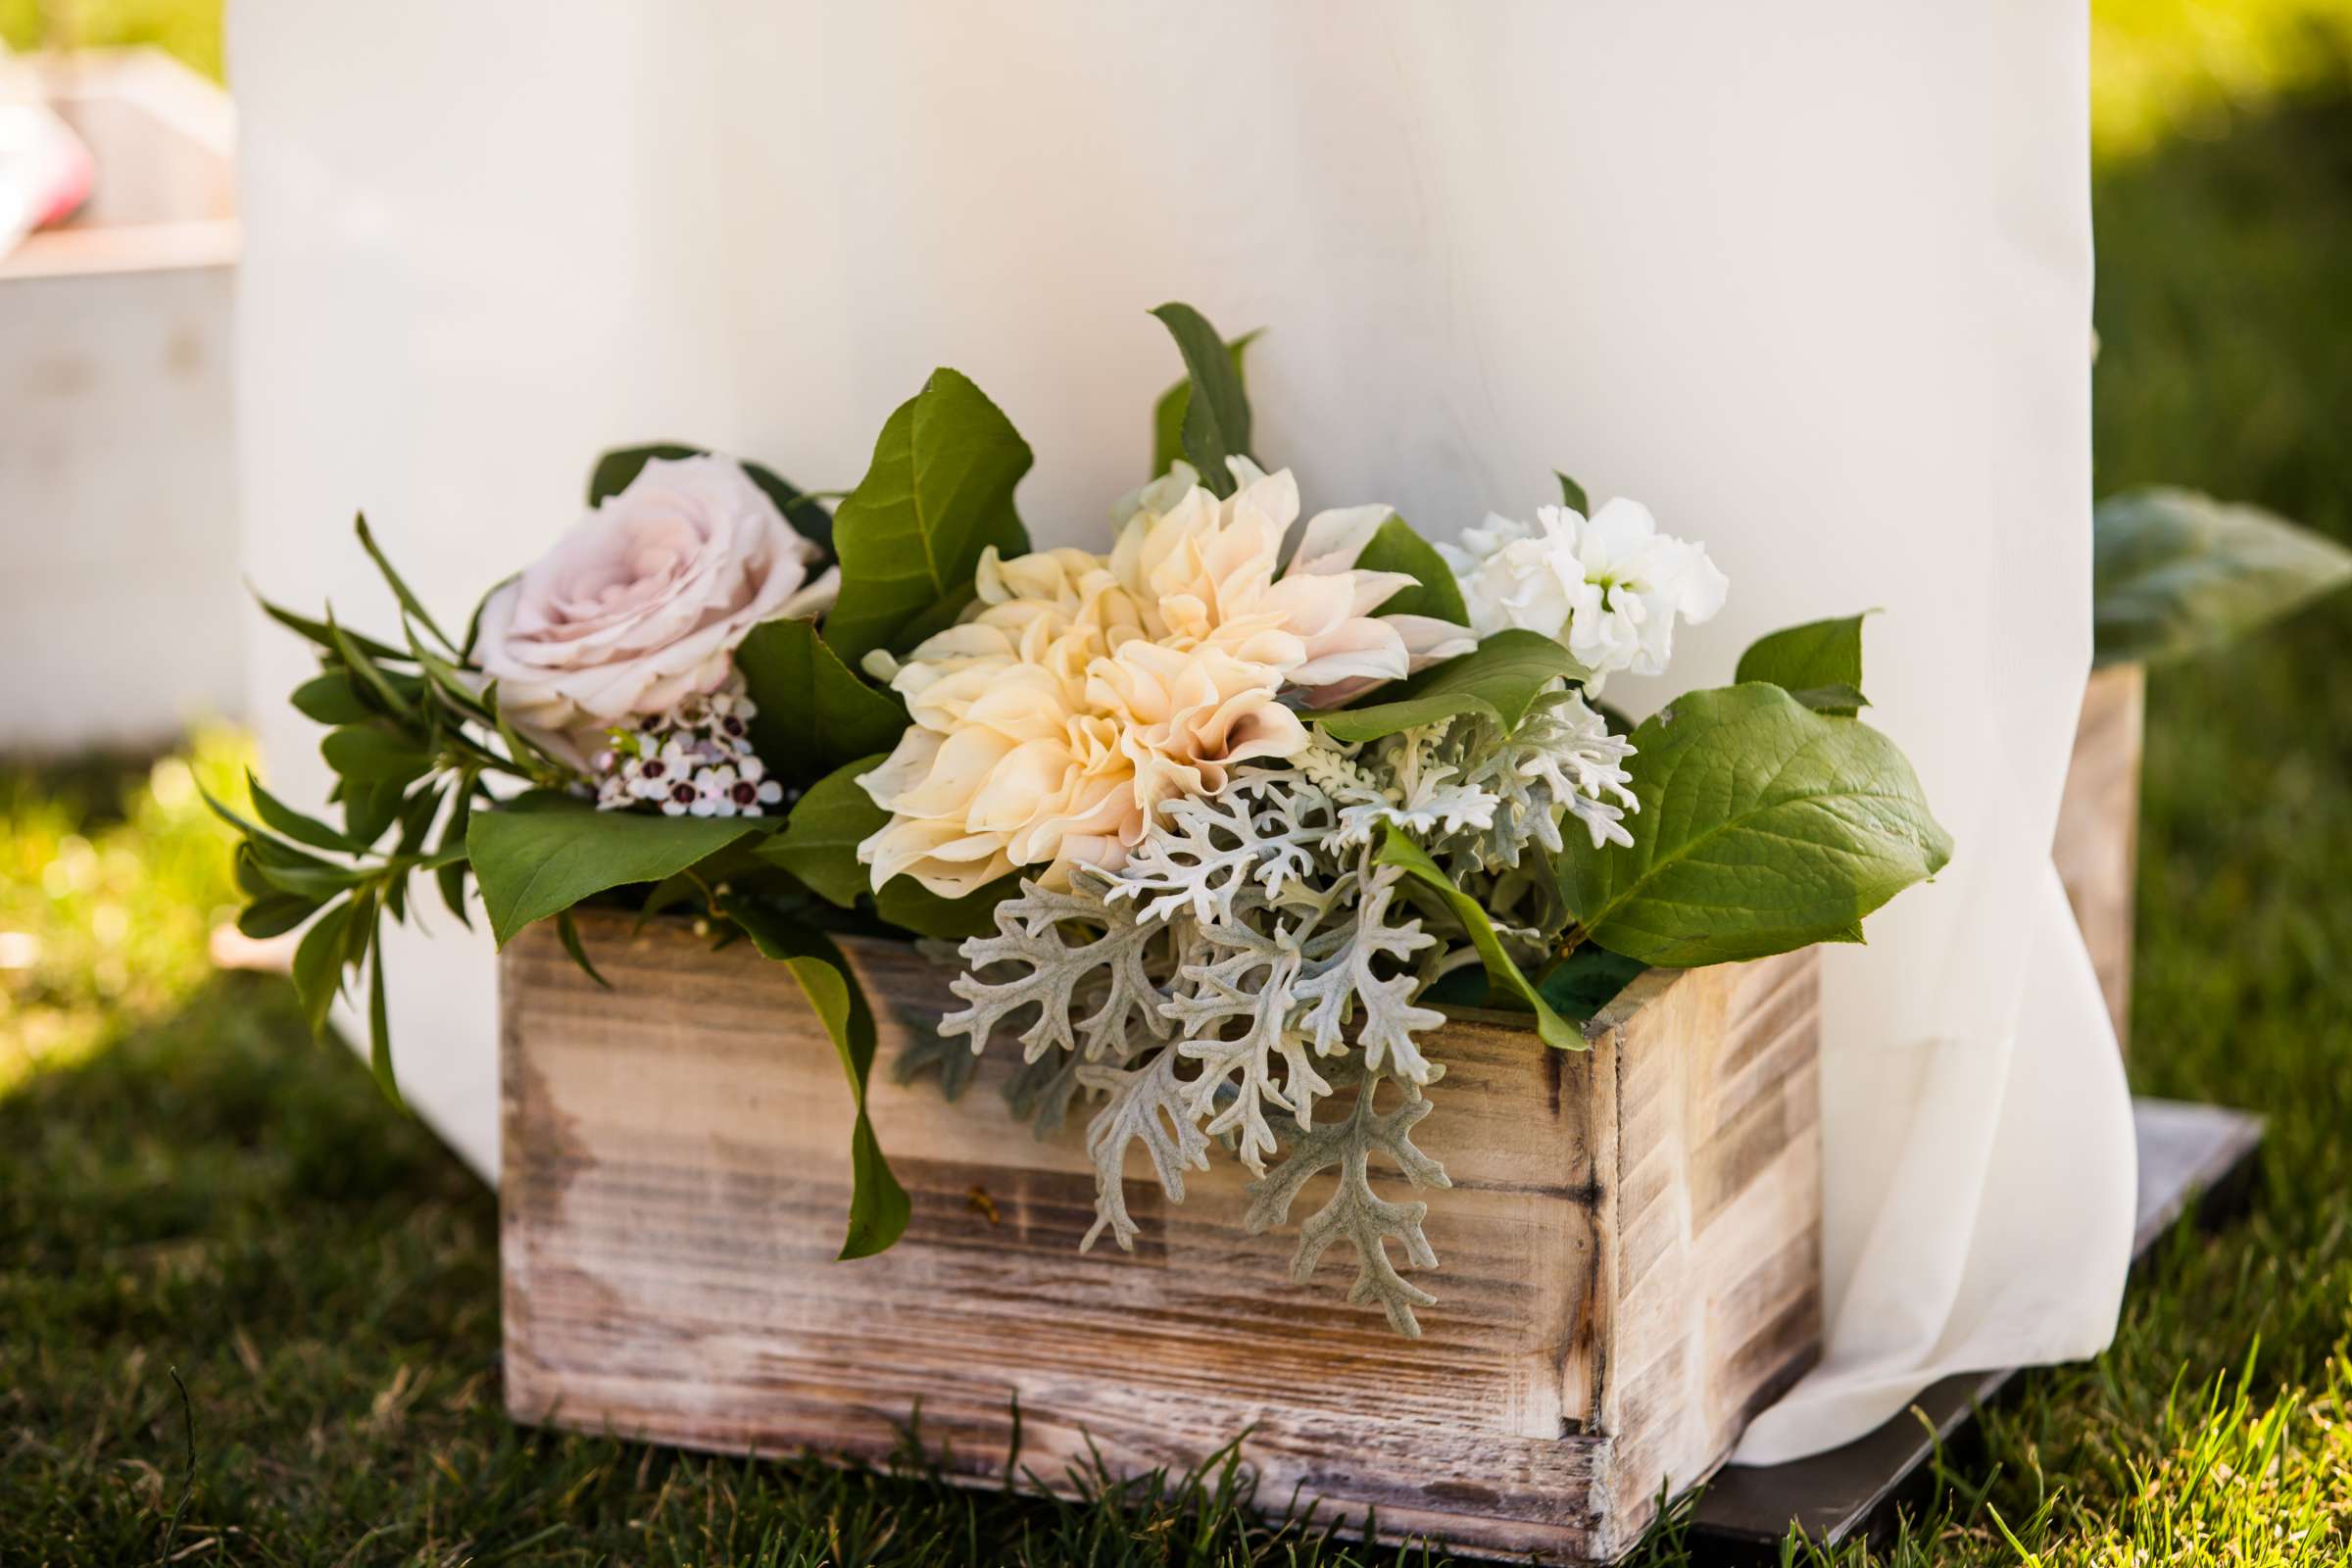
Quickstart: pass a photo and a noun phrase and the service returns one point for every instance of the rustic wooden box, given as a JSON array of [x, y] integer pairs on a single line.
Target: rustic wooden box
[[2097, 847], [1630, 1249]]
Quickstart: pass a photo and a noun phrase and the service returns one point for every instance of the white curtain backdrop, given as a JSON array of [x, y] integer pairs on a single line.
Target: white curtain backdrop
[[1811, 280]]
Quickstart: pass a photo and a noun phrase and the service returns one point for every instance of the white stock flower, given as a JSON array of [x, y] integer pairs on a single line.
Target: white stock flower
[[641, 603], [1609, 586]]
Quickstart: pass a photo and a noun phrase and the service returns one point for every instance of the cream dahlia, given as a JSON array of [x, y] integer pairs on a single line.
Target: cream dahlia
[[1082, 692]]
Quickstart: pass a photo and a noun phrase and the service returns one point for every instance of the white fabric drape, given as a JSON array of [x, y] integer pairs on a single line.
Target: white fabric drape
[[1813, 282]]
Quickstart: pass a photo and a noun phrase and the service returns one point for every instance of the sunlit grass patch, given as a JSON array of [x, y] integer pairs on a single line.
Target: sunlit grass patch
[[2164, 68], [111, 881]]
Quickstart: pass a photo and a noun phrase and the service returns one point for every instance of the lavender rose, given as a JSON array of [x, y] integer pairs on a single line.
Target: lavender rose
[[643, 602]]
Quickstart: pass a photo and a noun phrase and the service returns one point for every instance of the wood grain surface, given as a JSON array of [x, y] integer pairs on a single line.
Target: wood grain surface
[[1629, 1254], [2097, 847]]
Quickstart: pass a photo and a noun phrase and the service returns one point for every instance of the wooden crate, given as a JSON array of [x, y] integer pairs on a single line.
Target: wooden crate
[[1630, 1250], [117, 462], [2097, 847]]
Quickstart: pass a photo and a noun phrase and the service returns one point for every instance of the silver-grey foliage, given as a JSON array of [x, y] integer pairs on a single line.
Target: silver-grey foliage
[[1252, 957]]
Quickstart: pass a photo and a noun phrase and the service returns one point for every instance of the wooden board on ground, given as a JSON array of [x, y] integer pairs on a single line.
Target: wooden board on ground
[[1630, 1250], [2186, 1152]]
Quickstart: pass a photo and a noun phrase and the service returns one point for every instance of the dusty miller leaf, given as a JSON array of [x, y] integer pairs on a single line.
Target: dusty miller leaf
[[1356, 1214], [1147, 1105], [1047, 945]]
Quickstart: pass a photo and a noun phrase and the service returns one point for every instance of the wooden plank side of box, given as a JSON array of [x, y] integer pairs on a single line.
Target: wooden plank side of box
[[2097, 842], [676, 1177]]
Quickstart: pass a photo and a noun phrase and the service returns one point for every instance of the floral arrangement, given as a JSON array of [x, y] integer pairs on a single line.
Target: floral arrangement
[[1212, 826]]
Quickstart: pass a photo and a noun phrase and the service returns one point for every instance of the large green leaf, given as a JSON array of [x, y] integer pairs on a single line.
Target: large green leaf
[[376, 753], [617, 470], [541, 854], [330, 698], [294, 824], [1216, 408], [318, 963], [1168, 414], [1763, 827], [819, 845], [1819, 662], [379, 1022], [274, 914], [912, 907], [1588, 980], [1502, 974], [323, 632], [821, 838], [878, 1206], [1397, 547], [1498, 678], [939, 492], [2175, 573], [814, 713]]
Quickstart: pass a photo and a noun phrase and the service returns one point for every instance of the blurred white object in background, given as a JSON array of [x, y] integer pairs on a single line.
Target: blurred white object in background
[[120, 618], [44, 168]]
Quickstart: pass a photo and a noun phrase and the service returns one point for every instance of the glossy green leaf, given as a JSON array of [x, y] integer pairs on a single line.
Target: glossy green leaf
[[380, 1023], [318, 963], [268, 866], [398, 696], [821, 838], [543, 853], [330, 698], [1841, 702], [567, 932], [1168, 414], [375, 754], [1397, 547], [1498, 679], [302, 830], [937, 618], [938, 492], [275, 914], [814, 713], [1398, 850], [445, 680], [1763, 827], [323, 632], [1819, 662], [451, 873], [878, 1206], [416, 814], [908, 905], [1216, 410], [1588, 980], [369, 808], [2176, 572]]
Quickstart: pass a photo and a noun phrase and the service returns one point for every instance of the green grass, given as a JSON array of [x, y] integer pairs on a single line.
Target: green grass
[[187, 1184], [187, 28]]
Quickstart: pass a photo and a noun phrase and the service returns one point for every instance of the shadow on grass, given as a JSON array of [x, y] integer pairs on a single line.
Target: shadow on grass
[[217, 1197]]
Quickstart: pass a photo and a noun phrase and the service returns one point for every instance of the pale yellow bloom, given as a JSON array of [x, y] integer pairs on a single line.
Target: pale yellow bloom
[[1081, 692]]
